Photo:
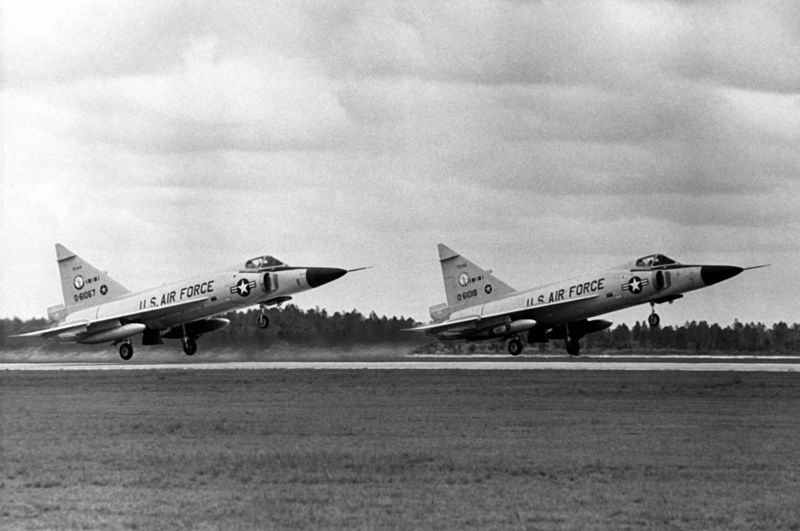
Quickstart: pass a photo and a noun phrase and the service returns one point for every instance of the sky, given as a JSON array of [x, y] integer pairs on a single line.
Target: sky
[[543, 140]]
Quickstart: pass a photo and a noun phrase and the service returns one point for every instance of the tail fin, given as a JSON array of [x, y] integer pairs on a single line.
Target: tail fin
[[467, 284], [83, 284]]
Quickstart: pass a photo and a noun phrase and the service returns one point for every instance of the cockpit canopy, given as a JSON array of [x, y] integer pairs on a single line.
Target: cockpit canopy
[[262, 263], [654, 260]]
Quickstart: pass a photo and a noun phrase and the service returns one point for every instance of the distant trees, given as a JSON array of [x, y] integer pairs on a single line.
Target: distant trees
[[9, 327], [701, 337], [290, 324], [318, 327]]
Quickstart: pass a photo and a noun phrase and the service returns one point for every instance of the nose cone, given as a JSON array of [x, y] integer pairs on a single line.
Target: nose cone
[[317, 276], [714, 274]]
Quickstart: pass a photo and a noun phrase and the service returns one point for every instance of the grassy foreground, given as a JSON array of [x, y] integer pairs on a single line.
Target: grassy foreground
[[399, 450]]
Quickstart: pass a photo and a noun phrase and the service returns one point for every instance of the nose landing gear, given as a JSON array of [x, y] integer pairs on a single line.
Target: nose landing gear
[[653, 319], [263, 320]]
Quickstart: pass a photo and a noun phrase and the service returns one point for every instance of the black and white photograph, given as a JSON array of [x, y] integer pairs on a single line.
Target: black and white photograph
[[496, 264]]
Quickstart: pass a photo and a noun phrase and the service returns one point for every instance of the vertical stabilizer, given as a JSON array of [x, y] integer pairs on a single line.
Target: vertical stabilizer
[[467, 284], [83, 284]]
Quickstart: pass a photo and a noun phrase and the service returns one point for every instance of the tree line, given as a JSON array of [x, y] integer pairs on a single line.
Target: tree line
[[700, 336], [318, 327]]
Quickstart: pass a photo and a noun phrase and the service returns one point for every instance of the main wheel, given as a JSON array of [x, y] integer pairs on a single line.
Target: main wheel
[[573, 347], [189, 346], [653, 320], [263, 321], [514, 347], [126, 351]]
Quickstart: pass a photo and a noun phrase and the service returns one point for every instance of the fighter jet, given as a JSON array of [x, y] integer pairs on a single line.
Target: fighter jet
[[98, 309], [480, 306]]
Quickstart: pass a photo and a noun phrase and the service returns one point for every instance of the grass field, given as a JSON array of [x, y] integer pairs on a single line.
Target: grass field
[[399, 450]]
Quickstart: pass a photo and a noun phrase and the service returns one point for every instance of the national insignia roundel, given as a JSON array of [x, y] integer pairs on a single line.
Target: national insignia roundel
[[243, 287], [635, 285]]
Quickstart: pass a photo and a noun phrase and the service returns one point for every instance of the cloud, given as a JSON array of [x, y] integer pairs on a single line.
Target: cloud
[[210, 103], [742, 44], [52, 42], [539, 133]]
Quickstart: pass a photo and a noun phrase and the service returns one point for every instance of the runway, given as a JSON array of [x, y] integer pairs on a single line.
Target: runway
[[433, 365]]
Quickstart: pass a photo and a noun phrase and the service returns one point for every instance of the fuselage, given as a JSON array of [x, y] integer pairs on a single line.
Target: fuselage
[[608, 291], [214, 293]]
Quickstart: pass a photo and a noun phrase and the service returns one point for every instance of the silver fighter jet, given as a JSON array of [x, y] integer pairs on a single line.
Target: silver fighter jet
[[480, 306], [98, 309]]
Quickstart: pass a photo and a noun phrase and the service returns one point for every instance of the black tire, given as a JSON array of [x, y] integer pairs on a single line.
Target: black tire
[[514, 347], [263, 321], [126, 351], [189, 347], [573, 347], [653, 320]]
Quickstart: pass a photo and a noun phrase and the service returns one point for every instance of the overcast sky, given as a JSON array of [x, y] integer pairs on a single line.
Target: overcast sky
[[540, 139]]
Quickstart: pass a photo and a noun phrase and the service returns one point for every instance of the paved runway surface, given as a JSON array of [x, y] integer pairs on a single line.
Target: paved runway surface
[[417, 365]]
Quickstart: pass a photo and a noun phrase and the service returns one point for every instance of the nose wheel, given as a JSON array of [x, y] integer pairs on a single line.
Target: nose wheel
[[653, 319], [263, 320]]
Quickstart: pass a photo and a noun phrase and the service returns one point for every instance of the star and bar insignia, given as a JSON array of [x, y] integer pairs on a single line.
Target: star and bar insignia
[[244, 287], [635, 285]]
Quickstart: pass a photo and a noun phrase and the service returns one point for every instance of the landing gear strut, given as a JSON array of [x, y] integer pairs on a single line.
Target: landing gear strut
[[514, 346], [126, 351], [653, 319]]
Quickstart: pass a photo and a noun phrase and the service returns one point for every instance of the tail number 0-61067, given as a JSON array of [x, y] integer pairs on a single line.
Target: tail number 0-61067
[[88, 294]]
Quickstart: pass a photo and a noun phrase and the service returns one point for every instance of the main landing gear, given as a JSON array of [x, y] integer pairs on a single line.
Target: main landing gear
[[572, 341], [514, 346], [573, 346], [189, 346], [653, 319], [126, 351], [263, 320], [189, 343]]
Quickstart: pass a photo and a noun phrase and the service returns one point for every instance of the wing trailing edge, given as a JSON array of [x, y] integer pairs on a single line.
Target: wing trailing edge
[[79, 328]]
